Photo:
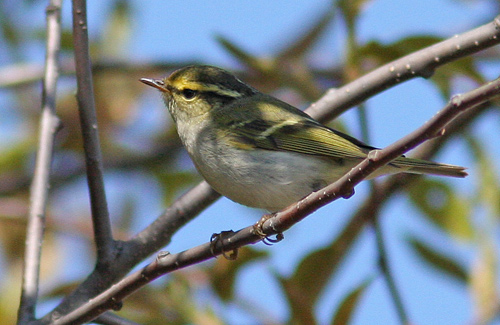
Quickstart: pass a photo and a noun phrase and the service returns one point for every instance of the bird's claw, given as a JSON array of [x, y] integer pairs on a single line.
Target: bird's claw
[[257, 229], [215, 238]]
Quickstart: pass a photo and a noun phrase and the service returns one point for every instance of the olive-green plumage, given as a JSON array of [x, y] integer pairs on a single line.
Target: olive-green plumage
[[260, 151]]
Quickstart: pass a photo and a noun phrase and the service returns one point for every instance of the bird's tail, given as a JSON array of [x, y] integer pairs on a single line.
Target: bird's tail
[[419, 166]]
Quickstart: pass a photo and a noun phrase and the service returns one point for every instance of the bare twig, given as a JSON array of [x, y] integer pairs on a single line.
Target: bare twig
[[20, 74], [320, 110], [371, 207], [112, 319], [93, 158], [49, 124], [385, 268], [283, 220], [146, 243], [345, 185], [177, 215], [422, 63]]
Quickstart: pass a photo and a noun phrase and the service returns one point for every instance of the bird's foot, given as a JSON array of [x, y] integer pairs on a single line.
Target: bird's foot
[[257, 229], [216, 238]]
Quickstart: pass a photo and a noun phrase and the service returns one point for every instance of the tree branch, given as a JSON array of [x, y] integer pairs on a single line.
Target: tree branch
[[422, 63], [93, 159], [113, 319], [344, 186], [49, 124], [388, 276], [320, 110], [330, 104], [283, 220]]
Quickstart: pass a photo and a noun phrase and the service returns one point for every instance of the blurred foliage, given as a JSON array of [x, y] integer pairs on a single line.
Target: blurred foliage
[[202, 295], [443, 78], [224, 272], [443, 206], [438, 260], [348, 305]]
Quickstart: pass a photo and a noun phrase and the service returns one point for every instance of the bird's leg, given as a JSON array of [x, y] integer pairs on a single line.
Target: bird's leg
[[257, 229], [216, 238]]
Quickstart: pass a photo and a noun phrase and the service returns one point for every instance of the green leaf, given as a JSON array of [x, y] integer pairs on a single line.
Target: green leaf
[[385, 53], [223, 272], [303, 44], [484, 281], [244, 56], [304, 287], [443, 206], [14, 158], [349, 303], [11, 30], [173, 182], [489, 181], [117, 31], [442, 263], [351, 9]]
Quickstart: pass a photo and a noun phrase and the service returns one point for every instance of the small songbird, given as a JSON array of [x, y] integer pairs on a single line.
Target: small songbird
[[258, 150]]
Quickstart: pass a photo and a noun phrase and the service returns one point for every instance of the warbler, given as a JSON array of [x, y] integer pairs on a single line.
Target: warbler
[[258, 150]]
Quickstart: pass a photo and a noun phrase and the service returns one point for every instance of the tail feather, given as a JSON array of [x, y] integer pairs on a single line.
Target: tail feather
[[419, 166]]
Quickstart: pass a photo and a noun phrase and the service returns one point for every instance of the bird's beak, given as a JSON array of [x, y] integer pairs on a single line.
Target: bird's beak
[[155, 83]]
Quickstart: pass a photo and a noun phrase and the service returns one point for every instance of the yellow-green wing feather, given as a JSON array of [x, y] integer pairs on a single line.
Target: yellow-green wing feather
[[279, 126], [311, 138], [289, 131]]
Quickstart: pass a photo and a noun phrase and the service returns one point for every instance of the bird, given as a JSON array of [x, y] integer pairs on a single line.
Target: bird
[[260, 151]]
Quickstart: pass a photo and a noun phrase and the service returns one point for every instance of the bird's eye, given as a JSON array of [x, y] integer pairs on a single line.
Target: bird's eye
[[189, 93]]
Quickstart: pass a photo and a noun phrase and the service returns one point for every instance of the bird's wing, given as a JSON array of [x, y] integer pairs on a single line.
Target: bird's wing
[[299, 135]]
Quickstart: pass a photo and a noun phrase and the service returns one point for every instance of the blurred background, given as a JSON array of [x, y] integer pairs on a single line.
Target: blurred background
[[442, 235]]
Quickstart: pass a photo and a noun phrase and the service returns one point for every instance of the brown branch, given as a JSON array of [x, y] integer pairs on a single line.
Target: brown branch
[[422, 63], [319, 110], [93, 157], [49, 124], [283, 220], [146, 242], [344, 186]]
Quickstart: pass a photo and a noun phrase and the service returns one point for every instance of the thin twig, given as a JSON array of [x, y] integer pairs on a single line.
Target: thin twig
[[320, 110], [421, 63], [113, 319], [373, 204], [383, 256], [146, 244], [283, 220], [93, 158], [387, 273], [49, 124]]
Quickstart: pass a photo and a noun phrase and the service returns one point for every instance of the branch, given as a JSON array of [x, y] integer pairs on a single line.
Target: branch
[[336, 100], [93, 159], [319, 110], [344, 187], [422, 63], [177, 215], [113, 319], [371, 207], [383, 262], [283, 220], [49, 124]]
